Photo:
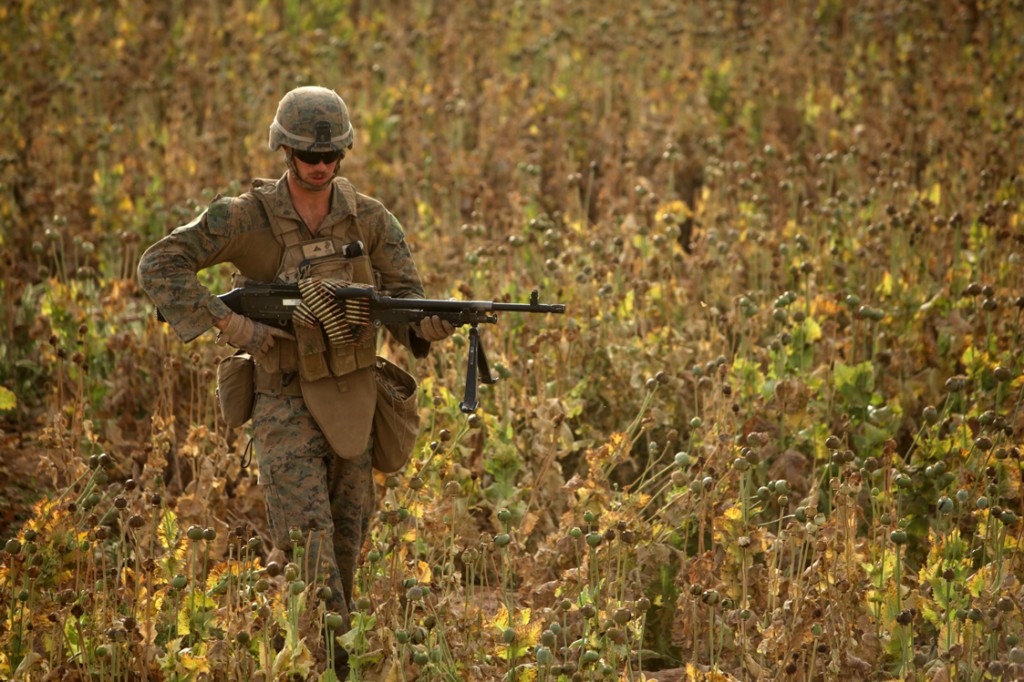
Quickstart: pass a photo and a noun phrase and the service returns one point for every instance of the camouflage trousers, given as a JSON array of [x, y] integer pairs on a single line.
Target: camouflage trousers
[[306, 486]]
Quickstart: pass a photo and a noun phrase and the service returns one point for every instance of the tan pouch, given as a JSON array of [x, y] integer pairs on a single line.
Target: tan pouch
[[312, 361], [343, 408], [396, 422], [236, 390]]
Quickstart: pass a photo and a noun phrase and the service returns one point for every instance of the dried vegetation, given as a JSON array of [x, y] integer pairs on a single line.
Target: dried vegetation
[[776, 437]]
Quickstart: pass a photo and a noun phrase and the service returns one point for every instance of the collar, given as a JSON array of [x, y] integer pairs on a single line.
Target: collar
[[343, 199]]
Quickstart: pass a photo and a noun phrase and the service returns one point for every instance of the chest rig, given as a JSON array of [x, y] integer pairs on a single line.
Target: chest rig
[[337, 252]]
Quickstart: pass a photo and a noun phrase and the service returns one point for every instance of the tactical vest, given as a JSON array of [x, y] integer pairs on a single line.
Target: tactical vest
[[339, 252]]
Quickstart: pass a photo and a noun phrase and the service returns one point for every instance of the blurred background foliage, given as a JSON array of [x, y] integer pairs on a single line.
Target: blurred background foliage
[[797, 220]]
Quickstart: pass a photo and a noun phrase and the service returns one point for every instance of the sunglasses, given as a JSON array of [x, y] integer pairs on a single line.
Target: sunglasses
[[313, 158]]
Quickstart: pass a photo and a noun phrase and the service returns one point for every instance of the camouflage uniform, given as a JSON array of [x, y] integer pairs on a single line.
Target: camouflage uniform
[[306, 483]]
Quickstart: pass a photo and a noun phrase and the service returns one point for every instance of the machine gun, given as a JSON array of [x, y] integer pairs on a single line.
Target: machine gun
[[348, 312]]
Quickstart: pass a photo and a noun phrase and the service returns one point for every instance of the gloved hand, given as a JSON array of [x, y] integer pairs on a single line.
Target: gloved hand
[[255, 338], [433, 328]]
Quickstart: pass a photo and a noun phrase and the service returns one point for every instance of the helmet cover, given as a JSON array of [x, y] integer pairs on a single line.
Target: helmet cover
[[311, 118]]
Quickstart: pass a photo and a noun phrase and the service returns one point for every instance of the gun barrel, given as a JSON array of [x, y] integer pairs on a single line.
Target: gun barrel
[[531, 307], [435, 305]]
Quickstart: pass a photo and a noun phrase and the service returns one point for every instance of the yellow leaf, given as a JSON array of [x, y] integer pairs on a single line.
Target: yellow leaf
[[885, 286], [192, 603], [225, 569], [812, 110], [500, 619], [167, 531], [981, 580], [424, 212], [695, 675], [127, 575], [812, 330], [7, 399], [626, 308], [194, 663], [126, 205], [974, 358], [677, 209], [416, 509], [425, 573], [527, 675], [640, 499], [528, 634]]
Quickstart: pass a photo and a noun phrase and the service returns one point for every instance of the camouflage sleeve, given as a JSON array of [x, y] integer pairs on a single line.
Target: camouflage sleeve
[[393, 261], [167, 271]]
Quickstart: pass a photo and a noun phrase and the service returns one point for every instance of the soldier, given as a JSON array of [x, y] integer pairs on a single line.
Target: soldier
[[314, 402]]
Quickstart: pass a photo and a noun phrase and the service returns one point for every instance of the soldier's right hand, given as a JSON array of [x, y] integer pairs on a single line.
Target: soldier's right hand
[[253, 337]]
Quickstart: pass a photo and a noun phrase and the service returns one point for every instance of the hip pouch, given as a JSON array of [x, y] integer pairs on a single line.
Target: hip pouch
[[236, 389], [396, 421]]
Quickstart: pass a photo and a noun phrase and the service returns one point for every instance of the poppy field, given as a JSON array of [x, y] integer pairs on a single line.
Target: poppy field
[[776, 436]]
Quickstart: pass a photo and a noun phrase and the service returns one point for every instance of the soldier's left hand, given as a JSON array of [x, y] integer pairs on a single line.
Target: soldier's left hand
[[433, 328]]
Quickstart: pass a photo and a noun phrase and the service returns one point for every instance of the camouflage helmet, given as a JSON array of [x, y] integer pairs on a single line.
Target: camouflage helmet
[[311, 118]]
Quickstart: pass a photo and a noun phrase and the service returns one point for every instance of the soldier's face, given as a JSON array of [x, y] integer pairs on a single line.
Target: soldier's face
[[315, 170]]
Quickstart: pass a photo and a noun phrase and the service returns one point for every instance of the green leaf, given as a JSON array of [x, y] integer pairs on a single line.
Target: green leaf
[[855, 383]]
